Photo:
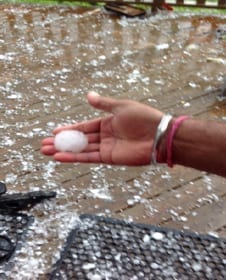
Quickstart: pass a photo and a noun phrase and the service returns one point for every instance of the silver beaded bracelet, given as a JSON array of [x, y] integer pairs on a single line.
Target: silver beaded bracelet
[[161, 129]]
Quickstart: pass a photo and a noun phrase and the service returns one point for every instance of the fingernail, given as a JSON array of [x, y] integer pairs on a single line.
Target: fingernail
[[93, 93]]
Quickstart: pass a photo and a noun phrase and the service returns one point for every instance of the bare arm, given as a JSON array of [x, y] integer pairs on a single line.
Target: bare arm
[[126, 135], [201, 144]]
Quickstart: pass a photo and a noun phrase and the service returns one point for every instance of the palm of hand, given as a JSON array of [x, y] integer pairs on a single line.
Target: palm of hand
[[126, 138]]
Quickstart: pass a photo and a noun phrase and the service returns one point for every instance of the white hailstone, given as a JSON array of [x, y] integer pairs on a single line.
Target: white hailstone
[[70, 141], [146, 239], [88, 266], [157, 235], [154, 265], [196, 266]]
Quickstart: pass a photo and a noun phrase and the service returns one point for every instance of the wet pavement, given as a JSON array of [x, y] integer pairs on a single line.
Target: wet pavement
[[49, 58]]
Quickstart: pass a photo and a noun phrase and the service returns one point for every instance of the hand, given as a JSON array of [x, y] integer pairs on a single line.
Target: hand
[[124, 137]]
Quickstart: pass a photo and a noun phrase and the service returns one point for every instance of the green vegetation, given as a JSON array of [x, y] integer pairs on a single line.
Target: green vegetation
[[49, 2], [90, 4], [200, 10]]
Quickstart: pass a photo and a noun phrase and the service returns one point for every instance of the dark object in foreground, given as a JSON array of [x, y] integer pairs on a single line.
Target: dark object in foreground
[[22, 201], [221, 32], [105, 248], [6, 248], [13, 228], [2, 188], [222, 95], [13, 225], [124, 9]]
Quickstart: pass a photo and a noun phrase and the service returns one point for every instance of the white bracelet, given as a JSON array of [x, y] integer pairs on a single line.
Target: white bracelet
[[161, 129]]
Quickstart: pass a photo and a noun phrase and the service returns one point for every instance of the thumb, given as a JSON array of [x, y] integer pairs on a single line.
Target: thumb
[[106, 104]]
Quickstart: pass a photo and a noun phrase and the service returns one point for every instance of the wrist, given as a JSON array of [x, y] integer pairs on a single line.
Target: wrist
[[162, 147], [171, 137], [165, 151], [160, 132]]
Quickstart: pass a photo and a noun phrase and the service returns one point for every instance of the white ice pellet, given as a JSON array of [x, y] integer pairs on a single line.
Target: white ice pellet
[[88, 266], [96, 276], [183, 218], [130, 202], [70, 141], [154, 265], [157, 235], [146, 239], [196, 266]]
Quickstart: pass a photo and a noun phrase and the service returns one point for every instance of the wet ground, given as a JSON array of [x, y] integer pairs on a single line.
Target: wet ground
[[49, 58]]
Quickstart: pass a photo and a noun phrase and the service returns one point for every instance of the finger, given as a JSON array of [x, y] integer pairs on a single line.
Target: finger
[[48, 147], [91, 126], [92, 147], [48, 150], [93, 157], [93, 137], [106, 104], [47, 141]]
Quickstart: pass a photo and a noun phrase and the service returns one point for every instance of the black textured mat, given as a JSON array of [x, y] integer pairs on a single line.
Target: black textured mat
[[14, 224], [12, 234], [103, 248]]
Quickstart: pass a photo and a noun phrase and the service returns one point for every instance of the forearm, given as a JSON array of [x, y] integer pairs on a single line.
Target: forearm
[[199, 144]]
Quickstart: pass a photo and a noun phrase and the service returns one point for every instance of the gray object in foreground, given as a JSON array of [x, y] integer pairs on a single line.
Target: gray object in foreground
[[21, 201], [222, 95], [105, 248]]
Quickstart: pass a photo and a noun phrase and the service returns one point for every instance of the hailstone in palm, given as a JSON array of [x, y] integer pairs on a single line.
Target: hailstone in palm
[[70, 141]]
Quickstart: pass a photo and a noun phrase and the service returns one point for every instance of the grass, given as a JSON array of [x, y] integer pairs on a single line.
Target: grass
[[49, 2], [89, 4]]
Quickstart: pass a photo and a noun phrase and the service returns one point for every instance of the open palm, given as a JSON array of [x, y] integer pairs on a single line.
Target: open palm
[[124, 137]]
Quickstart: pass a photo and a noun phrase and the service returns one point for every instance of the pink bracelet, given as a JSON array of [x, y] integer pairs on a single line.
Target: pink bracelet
[[170, 137]]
